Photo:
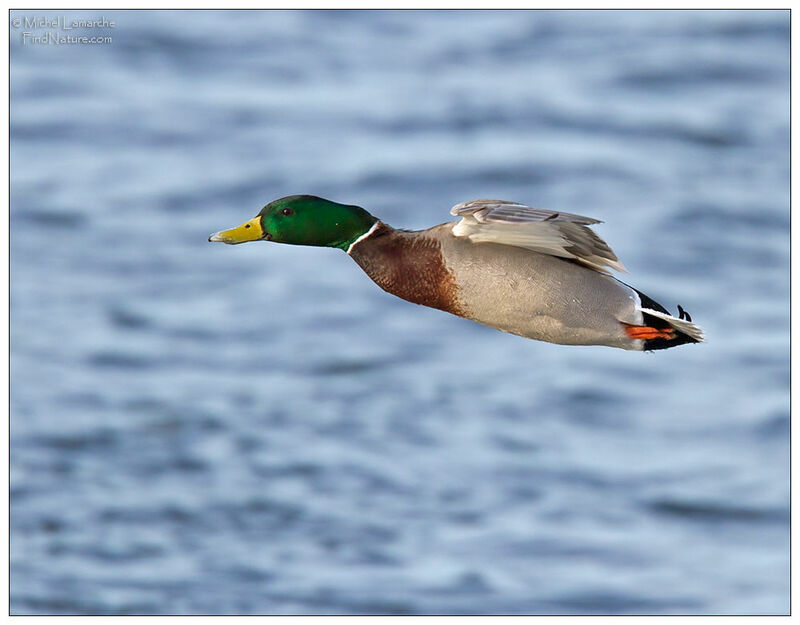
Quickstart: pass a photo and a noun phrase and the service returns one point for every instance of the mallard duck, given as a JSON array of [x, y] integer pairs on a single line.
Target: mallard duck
[[536, 273]]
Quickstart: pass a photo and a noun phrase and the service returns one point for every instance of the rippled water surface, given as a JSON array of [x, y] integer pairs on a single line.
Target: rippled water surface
[[199, 428]]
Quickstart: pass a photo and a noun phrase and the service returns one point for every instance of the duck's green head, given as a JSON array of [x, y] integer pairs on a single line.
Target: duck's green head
[[302, 220]]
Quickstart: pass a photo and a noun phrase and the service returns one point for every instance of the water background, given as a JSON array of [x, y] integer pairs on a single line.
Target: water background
[[200, 428]]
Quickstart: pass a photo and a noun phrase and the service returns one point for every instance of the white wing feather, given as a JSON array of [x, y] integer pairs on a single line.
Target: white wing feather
[[548, 232]]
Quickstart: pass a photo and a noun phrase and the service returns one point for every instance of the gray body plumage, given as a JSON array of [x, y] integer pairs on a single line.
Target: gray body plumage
[[536, 295]]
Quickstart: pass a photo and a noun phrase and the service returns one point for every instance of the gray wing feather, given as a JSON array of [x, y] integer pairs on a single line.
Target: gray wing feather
[[500, 211], [549, 232]]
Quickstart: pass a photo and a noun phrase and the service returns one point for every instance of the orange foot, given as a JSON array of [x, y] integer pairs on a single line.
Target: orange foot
[[648, 334]]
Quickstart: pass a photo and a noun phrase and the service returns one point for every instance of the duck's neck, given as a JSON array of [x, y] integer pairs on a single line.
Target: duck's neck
[[409, 265]]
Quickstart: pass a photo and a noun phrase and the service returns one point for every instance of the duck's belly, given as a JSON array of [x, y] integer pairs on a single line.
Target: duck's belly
[[540, 297]]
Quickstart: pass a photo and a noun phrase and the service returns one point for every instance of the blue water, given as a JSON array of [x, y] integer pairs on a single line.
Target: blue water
[[199, 428]]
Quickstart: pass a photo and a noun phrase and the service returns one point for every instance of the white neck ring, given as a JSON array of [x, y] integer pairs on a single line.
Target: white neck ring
[[363, 236]]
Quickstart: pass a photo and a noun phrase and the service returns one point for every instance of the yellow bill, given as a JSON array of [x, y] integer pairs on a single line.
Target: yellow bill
[[248, 231]]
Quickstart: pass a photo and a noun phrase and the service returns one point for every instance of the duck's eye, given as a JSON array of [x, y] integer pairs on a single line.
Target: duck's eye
[[247, 225], [287, 211]]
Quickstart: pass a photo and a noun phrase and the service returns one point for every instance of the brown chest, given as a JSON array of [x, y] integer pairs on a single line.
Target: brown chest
[[409, 265]]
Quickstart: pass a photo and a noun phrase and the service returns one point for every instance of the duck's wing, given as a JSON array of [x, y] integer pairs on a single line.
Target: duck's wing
[[548, 232]]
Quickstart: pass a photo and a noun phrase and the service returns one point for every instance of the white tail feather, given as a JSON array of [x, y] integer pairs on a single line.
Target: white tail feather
[[681, 325]]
